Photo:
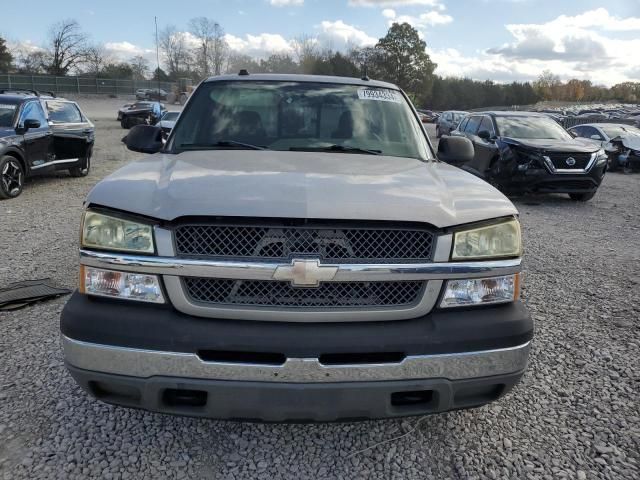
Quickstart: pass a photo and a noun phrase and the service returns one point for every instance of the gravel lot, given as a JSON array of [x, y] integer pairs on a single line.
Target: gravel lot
[[575, 415]]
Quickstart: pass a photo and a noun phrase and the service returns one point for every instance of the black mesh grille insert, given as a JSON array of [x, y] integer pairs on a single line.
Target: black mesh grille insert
[[559, 160], [332, 245], [282, 294]]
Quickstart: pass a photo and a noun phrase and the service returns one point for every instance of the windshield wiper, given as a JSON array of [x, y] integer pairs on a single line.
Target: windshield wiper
[[336, 148], [222, 144]]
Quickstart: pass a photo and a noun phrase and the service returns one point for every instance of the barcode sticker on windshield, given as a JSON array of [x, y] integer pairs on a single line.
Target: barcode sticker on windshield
[[7, 106], [381, 95]]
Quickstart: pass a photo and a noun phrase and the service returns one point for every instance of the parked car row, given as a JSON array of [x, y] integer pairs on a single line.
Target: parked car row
[[40, 134]]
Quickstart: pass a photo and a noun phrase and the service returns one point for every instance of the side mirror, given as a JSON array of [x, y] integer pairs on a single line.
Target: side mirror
[[455, 150], [485, 135], [31, 123], [144, 139]]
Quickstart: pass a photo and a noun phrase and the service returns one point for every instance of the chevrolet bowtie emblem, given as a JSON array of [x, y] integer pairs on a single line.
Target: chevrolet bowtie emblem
[[305, 273]]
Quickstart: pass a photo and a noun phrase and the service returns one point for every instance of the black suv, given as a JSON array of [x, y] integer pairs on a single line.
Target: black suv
[[38, 135], [523, 152]]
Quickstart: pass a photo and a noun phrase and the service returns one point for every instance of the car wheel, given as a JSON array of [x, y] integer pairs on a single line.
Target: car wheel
[[11, 177], [82, 170], [124, 123], [582, 197]]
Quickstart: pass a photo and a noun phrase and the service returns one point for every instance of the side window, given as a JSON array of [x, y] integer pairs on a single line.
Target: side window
[[589, 131], [33, 110], [472, 125], [486, 124], [577, 131], [63, 112]]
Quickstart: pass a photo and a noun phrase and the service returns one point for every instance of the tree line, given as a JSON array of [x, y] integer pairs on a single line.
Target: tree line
[[400, 57]]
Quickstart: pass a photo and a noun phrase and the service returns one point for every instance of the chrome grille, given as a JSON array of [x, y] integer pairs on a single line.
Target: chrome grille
[[331, 245], [559, 160], [266, 293]]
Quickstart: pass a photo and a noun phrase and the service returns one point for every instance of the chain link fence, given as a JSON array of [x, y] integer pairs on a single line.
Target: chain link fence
[[90, 85]]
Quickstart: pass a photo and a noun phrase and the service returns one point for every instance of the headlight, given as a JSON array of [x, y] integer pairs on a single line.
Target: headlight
[[481, 291], [121, 285], [601, 156], [492, 241], [113, 233]]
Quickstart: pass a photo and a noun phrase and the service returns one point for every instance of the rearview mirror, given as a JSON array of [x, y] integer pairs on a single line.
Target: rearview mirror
[[31, 123], [455, 150], [144, 139], [485, 135]]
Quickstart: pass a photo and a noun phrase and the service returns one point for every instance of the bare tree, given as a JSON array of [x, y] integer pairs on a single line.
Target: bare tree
[[212, 50], [140, 67], [175, 50], [96, 58], [307, 52], [29, 60], [67, 47]]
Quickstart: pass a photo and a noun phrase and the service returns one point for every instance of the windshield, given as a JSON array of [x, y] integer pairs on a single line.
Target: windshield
[[170, 116], [300, 116], [614, 131], [7, 111], [531, 128]]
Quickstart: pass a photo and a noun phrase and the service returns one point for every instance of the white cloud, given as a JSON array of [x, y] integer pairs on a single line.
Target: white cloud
[[392, 3], [423, 20], [580, 47], [340, 35], [389, 13], [261, 45], [286, 3]]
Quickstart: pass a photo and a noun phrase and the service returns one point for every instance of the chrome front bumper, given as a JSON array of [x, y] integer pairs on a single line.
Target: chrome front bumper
[[150, 363]]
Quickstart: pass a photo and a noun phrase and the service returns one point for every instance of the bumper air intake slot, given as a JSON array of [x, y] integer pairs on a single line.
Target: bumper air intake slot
[[412, 399], [177, 397]]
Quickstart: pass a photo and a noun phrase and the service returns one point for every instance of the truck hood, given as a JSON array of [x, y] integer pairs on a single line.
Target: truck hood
[[339, 186], [575, 145]]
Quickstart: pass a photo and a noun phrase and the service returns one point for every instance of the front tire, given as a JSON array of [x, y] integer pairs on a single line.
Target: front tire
[[582, 197], [83, 169], [124, 123], [11, 177]]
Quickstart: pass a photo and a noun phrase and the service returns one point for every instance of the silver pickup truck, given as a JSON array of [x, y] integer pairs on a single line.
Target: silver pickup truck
[[296, 251]]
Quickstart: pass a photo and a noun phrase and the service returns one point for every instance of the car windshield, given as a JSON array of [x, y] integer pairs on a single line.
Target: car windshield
[[7, 112], [533, 128], [300, 116], [614, 131], [170, 116]]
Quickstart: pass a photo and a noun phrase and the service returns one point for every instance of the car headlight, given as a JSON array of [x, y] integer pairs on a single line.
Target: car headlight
[[491, 241], [108, 232], [121, 285], [481, 291], [601, 156]]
